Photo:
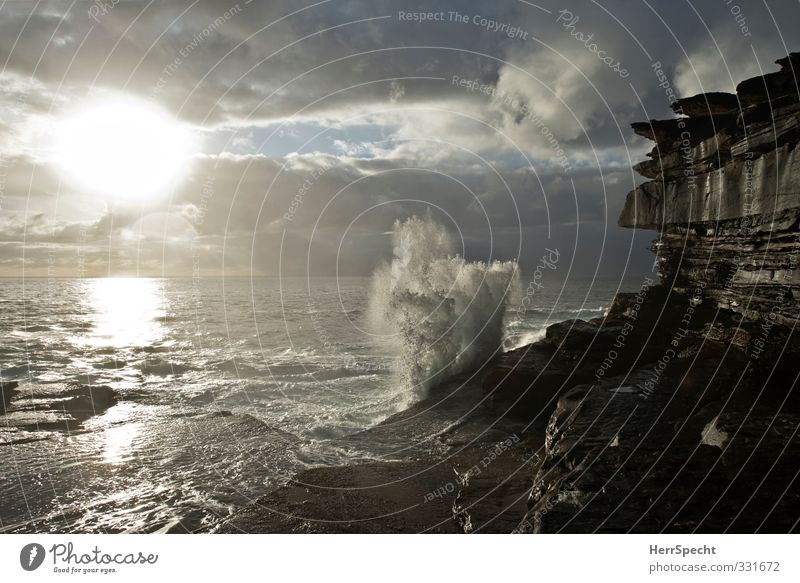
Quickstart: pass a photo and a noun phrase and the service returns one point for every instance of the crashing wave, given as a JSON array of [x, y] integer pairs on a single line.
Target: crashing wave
[[446, 313]]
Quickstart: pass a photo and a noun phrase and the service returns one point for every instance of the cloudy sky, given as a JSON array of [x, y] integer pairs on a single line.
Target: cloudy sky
[[308, 128]]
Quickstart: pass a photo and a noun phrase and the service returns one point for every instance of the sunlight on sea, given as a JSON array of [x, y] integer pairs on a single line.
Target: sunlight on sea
[[125, 312]]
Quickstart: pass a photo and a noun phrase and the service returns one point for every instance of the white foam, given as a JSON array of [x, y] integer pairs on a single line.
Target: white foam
[[446, 313], [514, 341]]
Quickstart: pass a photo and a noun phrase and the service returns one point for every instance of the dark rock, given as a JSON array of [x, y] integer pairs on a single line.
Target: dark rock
[[768, 126], [706, 104], [729, 165], [705, 156], [8, 390], [790, 63], [525, 383], [744, 265], [472, 476], [670, 459], [692, 129], [698, 432], [57, 406], [575, 337], [741, 188], [397, 497], [769, 87]]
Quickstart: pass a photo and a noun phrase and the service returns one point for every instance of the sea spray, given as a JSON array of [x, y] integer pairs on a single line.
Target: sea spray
[[445, 312]]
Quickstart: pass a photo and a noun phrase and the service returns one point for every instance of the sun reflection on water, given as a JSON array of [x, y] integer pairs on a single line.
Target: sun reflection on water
[[114, 435], [125, 312]]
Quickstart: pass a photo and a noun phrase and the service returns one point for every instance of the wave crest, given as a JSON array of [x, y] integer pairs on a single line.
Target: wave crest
[[446, 313]]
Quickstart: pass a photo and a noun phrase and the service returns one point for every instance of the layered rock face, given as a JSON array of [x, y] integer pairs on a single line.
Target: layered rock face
[[725, 195], [690, 420]]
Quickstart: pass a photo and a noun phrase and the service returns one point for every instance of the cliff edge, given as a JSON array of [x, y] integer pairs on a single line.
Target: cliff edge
[[690, 421]]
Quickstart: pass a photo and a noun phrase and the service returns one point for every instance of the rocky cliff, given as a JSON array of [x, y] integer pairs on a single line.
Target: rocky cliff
[[689, 420], [675, 412]]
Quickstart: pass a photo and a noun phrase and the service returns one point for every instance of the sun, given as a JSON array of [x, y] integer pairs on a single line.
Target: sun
[[122, 149]]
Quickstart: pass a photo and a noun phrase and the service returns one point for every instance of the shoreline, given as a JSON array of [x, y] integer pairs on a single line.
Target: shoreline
[[675, 412], [435, 488]]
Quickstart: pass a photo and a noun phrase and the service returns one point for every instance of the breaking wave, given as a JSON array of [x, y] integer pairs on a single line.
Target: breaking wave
[[514, 341], [446, 313]]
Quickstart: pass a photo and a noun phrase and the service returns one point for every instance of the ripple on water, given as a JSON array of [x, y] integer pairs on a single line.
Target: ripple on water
[[141, 468]]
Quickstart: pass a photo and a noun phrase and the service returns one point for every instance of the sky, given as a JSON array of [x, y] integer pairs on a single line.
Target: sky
[[309, 128]]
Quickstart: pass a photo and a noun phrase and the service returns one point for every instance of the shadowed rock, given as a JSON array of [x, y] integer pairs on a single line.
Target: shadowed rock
[[693, 129], [772, 86], [8, 389], [697, 433], [56, 406], [706, 104]]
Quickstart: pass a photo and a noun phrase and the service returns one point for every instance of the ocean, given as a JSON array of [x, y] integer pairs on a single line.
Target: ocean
[[226, 388]]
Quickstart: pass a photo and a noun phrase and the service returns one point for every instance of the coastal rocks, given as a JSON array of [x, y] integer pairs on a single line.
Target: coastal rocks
[[671, 131], [698, 431], [707, 104], [686, 456], [7, 389], [743, 187], [569, 337], [634, 485], [702, 157], [746, 266], [728, 208], [445, 465], [772, 86], [343, 499], [734, 156], [53, 407], [494, 490], [481, 488], [526, 382]]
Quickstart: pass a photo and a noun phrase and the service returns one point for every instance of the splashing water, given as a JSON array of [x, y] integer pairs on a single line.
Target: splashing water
[[446, 313]]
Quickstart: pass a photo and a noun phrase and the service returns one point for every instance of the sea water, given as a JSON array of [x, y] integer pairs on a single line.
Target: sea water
[[229, 386]]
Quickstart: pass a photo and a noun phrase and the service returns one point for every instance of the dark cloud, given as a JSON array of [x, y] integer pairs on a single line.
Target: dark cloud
[[325, 122]]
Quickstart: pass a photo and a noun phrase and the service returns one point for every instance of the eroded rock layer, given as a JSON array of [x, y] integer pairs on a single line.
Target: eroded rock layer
[[690, 423], [725, 195]]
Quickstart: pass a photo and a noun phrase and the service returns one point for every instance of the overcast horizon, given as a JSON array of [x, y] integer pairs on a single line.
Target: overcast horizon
[[287, 139]]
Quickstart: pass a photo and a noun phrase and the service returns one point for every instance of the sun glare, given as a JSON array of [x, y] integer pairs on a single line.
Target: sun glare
[[124, 312], [122, 149]]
